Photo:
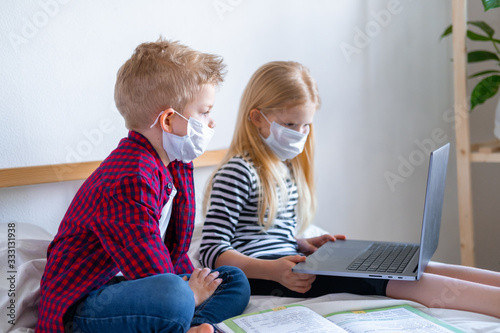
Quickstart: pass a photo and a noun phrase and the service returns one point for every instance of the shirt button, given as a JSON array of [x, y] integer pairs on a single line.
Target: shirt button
[[169, 185]]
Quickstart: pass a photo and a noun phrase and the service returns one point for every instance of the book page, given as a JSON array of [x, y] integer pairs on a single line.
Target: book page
[[291, 319], [400, 318]]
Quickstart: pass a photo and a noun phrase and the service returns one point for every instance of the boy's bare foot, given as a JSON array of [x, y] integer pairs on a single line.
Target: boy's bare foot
[[203, 328], [203, 284]]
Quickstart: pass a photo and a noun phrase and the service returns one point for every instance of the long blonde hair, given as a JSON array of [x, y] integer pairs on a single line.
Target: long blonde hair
[[276, 85]]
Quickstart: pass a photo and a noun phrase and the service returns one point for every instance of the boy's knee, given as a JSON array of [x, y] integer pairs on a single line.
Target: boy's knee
[[234, 272], [169, 291], [235, 278], [169, 284], [235, 289]]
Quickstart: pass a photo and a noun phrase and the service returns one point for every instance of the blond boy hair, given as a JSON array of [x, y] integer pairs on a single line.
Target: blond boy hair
[[276, 86], [161, 75]]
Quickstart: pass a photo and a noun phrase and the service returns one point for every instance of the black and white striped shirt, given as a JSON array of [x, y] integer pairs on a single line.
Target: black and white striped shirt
[[232, 218]]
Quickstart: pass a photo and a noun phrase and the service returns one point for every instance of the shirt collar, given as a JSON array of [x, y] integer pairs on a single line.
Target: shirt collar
[[144, 142]]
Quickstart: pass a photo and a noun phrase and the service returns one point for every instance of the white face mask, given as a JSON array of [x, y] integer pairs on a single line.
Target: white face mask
[[285, 142], [187, 148]]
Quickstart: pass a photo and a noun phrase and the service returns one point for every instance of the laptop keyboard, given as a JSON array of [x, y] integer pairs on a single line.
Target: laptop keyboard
[[382, 257]]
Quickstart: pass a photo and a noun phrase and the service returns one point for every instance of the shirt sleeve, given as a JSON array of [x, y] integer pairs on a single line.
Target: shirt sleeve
[[231, 188], [127, 227]]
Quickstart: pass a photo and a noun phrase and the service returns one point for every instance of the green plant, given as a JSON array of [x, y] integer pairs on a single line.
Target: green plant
[[489, 4], [489, 85]]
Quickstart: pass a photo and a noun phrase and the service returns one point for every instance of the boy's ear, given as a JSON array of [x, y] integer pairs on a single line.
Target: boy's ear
[[166, 120], [256, 118]]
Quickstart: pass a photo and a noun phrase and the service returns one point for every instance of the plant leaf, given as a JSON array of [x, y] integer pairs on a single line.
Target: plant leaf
[[483, 26], [484, 90], [483, 73], [480, 24], [447, 31], [478, 56], [490, 4], [474, 36]]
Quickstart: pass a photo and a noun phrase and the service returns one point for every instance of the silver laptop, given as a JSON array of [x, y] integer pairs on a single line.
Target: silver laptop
[[388, 260]]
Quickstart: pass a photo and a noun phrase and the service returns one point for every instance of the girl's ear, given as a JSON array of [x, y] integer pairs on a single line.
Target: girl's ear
[[256, 118], [166, 120]]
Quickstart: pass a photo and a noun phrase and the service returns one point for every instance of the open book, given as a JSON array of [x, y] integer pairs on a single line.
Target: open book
[[300, 319]]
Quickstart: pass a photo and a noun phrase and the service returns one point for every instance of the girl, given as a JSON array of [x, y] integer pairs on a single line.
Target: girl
[[264, 189]]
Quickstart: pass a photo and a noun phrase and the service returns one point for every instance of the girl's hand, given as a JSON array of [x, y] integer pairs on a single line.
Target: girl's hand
[[310, 245], [282, 273], [203, 284]]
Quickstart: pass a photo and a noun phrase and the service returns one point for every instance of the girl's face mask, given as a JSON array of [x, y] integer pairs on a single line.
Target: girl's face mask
[[285, 142], [193, 144]]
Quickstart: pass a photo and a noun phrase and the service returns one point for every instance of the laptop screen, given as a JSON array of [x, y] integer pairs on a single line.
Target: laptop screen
[[433, 208]]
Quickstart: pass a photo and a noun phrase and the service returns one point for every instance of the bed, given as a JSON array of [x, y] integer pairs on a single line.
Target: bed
[[31, 243]]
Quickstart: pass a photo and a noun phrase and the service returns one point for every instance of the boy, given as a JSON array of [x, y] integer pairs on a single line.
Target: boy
[[113, 265]]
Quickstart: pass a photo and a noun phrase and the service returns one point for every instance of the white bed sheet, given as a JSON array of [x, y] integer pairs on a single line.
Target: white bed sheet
[[31, 246]]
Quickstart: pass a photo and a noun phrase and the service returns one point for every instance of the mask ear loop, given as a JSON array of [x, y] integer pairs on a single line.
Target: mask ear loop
[[157, 118], [265, 117], [180, 115]]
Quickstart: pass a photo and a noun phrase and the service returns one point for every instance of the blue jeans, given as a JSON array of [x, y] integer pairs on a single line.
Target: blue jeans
[[158, 303]]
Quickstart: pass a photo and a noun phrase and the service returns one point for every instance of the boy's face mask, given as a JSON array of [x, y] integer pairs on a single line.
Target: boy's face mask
[[193, 144], [285, 142]]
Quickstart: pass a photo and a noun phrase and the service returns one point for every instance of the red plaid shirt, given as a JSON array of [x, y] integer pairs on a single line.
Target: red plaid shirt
[[112, 225]]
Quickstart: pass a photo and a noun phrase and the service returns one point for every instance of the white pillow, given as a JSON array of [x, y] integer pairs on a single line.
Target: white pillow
[[31, 244]]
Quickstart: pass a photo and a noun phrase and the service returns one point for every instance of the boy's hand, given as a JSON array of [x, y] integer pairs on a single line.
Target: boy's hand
[[283, 274], [310, 245], [203, 284]]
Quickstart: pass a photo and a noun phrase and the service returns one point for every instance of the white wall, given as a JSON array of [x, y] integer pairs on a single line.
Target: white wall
[[485, 176], [384, 76]]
